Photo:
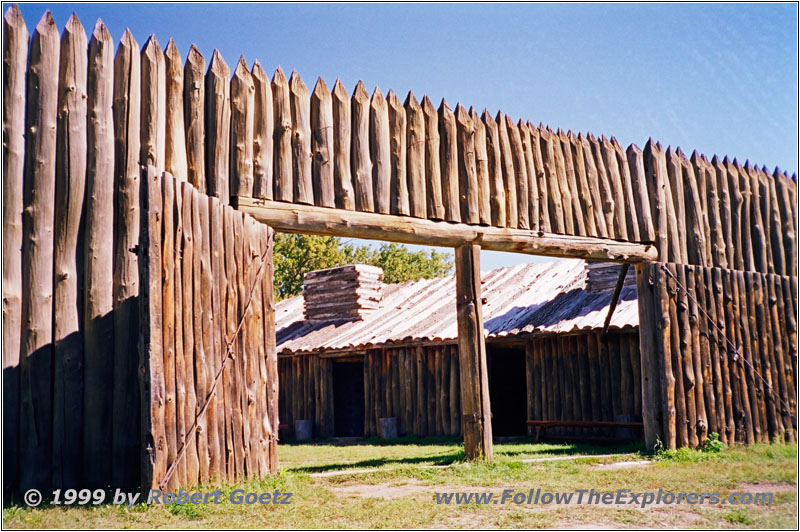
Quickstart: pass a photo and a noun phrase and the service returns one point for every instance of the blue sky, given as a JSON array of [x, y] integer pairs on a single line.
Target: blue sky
[[719, 78]]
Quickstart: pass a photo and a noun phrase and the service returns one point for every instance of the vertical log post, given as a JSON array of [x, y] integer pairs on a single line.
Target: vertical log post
[[99, 260], [70, 186], [127, 109], [15, 55], [472, 355]]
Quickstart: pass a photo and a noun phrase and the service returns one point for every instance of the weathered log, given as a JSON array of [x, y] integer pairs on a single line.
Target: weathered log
[[15, 59], [70, 183], [379, 151], [562, 181], [415, 150], [520, 174], [125, 292], [175, 161], [725, 209], [152, 438], [342, 177], [541, 179], [676, 205], [533, 184], [218, 287], [282, 138], [301, 140], [593, 181], [242, 120], [656, 175], [736, 207], [507, 168], [263, 130], [716, 344], [785, 380], [572, 183], [317, 220], [217, 128], [641, 200], [475, 406], [628, 206], [194, 101], [468, 186], [678, 343], [398, 180], [758, 307], [168, 319], [746, 219], [702, 364], [699, 422], [787, 226], [154, 102], [99, 260], [605, 185], [201, 365], [482, 170], [695, 226], [180, 369], [740, 302], [322, 146], [651, 400], [495, 168], [716, 237], [664, 349], [361, 143], [187, 324], [448, 155], [584, 189]]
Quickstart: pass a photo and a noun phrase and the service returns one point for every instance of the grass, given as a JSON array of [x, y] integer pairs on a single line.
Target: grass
[[398, 489]]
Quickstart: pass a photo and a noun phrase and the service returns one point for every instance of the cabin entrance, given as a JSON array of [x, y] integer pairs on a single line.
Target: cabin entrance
[[348, 398], [507, 390]]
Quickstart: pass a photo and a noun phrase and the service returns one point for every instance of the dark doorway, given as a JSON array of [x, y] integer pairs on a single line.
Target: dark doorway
[[507, 390], [348, 398]]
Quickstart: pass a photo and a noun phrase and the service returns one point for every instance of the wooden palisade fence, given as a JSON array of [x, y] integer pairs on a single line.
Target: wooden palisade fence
[[78, 120], [206, 273], [719, 354]]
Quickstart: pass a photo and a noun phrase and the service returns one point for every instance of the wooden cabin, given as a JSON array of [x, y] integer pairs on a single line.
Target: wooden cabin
[[352, 350]]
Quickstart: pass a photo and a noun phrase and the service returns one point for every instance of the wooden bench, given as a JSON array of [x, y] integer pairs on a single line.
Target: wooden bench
[[542, 425]]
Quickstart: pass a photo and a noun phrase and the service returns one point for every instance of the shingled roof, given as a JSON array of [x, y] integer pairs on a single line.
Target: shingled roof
[[541, 298]]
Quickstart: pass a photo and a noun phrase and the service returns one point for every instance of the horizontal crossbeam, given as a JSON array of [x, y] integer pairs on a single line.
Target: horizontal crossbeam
[[294, 218]]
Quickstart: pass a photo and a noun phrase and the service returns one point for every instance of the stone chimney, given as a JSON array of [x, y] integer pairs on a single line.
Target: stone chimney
[[343, 293]]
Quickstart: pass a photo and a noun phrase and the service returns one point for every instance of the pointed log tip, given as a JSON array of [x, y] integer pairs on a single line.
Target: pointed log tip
[[13, 16], [171, 50], [100, 31], [279, 77], [296, 84], [360, 91], [151, 45], [127, 40], [321, 88], [241, 71], [73, 24], [411, 100], [194, 57], [338, 90], [218, 65], [46, 24], [377, 95], [633, 148]]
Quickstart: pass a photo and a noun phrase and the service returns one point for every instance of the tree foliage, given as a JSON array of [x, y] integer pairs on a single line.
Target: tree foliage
[[296, 255]]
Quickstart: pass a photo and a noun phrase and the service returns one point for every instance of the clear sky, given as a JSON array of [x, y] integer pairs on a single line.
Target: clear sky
[[718, 78]]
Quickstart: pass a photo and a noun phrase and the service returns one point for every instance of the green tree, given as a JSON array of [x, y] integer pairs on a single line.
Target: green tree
[[296, 255]]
